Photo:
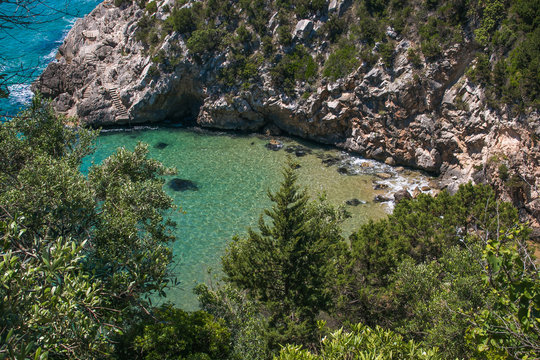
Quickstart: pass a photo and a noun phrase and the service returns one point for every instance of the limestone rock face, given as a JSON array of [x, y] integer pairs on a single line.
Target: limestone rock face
[[303, 29], [438, 122]]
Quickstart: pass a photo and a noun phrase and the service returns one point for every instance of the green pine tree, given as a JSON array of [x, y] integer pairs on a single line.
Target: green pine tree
[[288, 263]]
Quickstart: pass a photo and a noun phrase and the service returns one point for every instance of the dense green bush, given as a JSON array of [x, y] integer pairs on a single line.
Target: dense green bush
[[243, 317], [204, 40], [414, 57], [182, 20], [151, 7], [81, 255], [334, 27], [341, 62], [296, 66], [422, 242], [387, 53], [284, 35], [122, 3], [172, 333], [361, 342], [241, 68], [145, 25]]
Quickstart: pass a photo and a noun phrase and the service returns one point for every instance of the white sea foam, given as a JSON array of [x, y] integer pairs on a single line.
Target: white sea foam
[[50, 56], [20, 94], [134, 128], [396, 183]]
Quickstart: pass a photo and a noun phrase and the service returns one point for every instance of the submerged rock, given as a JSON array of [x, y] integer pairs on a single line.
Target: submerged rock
[[354, 202], [161, 145], [384, 176], [298, 150], [330, 160], [178, 184], [378, 186], [346, 170], [274, 145], [381, 198]]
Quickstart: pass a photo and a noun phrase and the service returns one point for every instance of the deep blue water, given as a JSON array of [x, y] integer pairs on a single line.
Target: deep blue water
[[26, 50]]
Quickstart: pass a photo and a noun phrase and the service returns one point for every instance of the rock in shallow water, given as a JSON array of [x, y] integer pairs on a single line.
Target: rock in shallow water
[[274, 145], [178, 184], [329, 160], [354, 202], [402, 194], [379, 186], [161, 145], [381, 198], [298, 150]]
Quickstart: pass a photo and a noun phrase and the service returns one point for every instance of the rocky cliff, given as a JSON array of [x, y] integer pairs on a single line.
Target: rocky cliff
[[414, 112]]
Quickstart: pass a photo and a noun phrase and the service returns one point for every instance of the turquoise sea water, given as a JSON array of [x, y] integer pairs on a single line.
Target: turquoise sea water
[[233, 174], [26, 50]]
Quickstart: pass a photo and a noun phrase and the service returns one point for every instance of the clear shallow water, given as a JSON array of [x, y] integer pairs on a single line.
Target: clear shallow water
[[233, 174], [26, 51]]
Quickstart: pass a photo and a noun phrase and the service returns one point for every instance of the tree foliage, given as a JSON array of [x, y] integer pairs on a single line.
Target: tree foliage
[[79, 254], [510, 326], [361, 342], [176, 334], [286, 265], [242, 316]]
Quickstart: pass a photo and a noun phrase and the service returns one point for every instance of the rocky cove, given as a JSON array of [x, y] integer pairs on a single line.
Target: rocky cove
[[427, 116], [222, 182]]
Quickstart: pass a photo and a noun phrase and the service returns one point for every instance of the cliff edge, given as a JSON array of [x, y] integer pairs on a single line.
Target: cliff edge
[[317, 73]]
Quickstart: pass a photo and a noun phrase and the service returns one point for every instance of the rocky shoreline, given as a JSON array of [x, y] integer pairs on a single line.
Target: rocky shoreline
[[435, 119]]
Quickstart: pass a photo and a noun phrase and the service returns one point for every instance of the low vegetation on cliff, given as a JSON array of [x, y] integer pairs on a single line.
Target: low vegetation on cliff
[[348, 35]]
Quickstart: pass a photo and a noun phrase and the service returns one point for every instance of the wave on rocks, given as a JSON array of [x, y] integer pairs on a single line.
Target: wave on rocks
[[391, 183]]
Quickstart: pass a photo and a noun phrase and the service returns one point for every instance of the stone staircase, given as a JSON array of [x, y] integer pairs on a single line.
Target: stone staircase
[[101, 71], [121, 111]]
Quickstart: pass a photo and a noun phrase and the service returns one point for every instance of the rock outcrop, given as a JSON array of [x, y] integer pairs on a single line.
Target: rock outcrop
[[435, 120]]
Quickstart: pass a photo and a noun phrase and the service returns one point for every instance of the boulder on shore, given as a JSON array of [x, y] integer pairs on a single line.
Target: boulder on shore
[[402, 194]]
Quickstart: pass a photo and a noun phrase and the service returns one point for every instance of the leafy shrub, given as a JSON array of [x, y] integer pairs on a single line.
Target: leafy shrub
[[481, 72], [368, 29], [296, 66], [122, 3], [492, 13], [257, 14], [334, 27], [153, 71], [387, 53], [284, 35], [414, 57], [267, 46], [204, 40], [431, 49], [369, 58], [241, 67], [248, 327], [182, 20], [341, 62], [177, 334], [151, 7], [145, 26], [243, 35], [503, 172], [361, 342]]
